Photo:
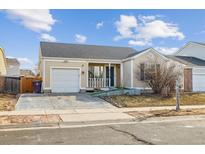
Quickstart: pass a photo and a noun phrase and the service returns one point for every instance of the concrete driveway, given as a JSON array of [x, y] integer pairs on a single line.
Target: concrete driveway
[[60, 102]]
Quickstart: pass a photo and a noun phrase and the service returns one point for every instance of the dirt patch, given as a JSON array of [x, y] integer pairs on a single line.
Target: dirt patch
[[7, 102], [23, 119], [166, 113], [155, 100]]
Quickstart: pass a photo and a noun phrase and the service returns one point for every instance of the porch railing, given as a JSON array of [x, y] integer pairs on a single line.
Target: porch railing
[[98, 82]]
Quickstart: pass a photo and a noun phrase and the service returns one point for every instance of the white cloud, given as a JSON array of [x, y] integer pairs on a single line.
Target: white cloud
[[99, 25], [145, 19], [201, 32], [141, 32], [166, 50], [138, 43], [124, 27], [35, 20], [159, 29], [80, 38], [47, 37], [25, 61]]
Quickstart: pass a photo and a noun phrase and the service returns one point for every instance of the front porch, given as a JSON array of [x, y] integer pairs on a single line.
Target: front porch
[[103, 76]]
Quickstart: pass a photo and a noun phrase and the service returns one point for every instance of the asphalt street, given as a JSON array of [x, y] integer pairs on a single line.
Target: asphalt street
[[150, 133]]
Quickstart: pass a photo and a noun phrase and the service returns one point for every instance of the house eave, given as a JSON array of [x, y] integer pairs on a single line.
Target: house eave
[[81, 59]]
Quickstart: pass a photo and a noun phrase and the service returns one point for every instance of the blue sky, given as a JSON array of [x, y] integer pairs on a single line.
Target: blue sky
[[166, 30]]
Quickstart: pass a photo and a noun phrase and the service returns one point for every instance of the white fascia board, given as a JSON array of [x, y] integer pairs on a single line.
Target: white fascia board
[[83, 60]]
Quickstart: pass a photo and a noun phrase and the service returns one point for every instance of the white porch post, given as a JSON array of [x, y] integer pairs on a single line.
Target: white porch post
[[121, 74], [87, 75], [132, 75], [109, 75]]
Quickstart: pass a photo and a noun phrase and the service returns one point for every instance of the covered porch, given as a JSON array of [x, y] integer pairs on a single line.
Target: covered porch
[[103, 75]]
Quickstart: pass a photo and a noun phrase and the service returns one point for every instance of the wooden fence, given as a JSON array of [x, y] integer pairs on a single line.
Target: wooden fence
[[15, 85], [10, 85], [27, 84]]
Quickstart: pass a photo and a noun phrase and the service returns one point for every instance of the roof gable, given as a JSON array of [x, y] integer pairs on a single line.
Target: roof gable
[[189, 43], [137, 54], [12, 61]]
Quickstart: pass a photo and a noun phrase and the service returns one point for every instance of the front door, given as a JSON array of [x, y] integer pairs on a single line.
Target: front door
[[111, 75]]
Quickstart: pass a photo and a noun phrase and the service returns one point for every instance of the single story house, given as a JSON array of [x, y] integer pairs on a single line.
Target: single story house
[[192, 49], [75, 67], [8, 66], [192, 79]]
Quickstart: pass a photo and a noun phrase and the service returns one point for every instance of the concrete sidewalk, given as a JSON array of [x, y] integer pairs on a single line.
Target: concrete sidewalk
[[94, 110], [88, 115]]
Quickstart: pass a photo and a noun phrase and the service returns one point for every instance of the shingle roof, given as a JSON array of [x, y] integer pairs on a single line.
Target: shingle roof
[[190, 61], [50, 49], [12, 61], [201, 43], [138, 52]]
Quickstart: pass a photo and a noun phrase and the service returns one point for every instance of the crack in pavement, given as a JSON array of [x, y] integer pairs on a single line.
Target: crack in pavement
[[132, 135]]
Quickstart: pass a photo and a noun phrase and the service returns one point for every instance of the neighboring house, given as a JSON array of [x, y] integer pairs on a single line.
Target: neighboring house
[[192, 49], [74, 67], [13, 67], [194, 54], [193, 80], [8, 66], [2, 62], [26, 72]]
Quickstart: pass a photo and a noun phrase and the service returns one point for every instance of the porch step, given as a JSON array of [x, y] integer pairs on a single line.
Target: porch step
[[90, 89]]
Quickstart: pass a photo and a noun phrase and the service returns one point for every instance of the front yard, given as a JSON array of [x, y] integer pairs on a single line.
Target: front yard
[[142, 115], [7, 102], [155, 100]]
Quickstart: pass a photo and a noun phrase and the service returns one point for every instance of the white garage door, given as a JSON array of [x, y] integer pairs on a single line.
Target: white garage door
[[65, 80], [198, 79]]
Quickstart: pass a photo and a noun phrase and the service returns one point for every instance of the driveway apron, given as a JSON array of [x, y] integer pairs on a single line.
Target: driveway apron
[[59, 102]]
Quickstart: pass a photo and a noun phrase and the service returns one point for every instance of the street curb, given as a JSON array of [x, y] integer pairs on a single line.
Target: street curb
[[60, 124], [28, 125]]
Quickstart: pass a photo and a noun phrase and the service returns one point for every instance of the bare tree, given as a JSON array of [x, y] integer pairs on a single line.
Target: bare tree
[[161, 77]]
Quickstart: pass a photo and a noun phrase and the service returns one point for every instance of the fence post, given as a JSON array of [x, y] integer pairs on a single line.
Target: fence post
[[21, 84]]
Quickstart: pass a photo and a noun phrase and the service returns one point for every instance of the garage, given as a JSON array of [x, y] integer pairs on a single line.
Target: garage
[[65, 80], [198, 79]]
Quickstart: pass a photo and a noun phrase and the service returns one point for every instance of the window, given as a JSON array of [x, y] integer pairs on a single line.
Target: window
[[96, 72], [147, 69]]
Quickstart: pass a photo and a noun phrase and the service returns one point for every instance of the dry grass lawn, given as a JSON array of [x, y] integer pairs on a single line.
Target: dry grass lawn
[[155, 100], [166, 113], [7, 102], [26, 119]]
